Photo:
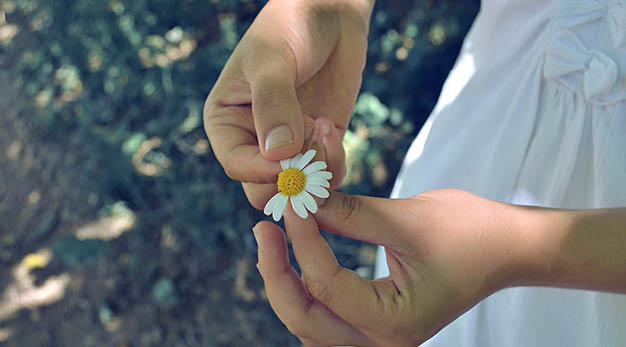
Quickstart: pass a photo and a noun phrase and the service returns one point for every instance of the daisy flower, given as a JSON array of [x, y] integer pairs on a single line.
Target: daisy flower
[[296, 183]]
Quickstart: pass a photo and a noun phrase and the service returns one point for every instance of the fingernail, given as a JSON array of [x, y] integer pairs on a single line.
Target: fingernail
[[325, 129], [278, 137], [308, 131]]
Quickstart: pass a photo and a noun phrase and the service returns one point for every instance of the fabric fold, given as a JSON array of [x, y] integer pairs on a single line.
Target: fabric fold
[[568, 55], [616, 20], [575, 12]]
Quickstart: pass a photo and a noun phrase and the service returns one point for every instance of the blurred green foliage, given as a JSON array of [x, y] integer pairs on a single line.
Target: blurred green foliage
[[127, 79], [412, 47], [72, 251], [132, 76]]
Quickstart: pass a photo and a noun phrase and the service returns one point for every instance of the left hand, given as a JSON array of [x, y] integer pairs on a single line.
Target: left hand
[[446, 251]]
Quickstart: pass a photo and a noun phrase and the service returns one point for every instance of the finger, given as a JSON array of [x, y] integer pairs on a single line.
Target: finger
[[310, 132], [276, 110], [303, 316], [278, 275], [235, 145], [377, 221], [331, 140], [320, 155], [245, 164], [343, 291], [373, 220], [259, 194]]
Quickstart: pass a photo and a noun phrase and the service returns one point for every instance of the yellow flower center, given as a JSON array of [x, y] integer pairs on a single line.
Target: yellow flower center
[[291, 182]]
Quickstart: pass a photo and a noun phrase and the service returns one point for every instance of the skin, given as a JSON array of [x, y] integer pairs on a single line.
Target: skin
[[446, 250], [300, 65]]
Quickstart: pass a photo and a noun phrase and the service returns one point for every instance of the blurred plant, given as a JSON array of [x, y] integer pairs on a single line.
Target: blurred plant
[[132, 76], [412, 47], [127, 80]]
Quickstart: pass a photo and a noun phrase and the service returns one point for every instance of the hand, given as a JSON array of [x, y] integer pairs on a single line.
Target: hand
[[446, 250], [297, 68]]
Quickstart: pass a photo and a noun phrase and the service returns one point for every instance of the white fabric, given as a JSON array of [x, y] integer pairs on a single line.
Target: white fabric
[[534, 113]]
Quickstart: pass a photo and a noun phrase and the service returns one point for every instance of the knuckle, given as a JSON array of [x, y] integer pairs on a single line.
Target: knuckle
[[351, 206], [300, 330], [209, 117], [319, 290], [338, 176], [269, 98], [256, 197], [257, 203], [308, 342], [229, 169], [208, 108], [263, 52]]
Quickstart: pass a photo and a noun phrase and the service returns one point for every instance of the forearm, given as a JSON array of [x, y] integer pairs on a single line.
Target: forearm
[[584, 249]]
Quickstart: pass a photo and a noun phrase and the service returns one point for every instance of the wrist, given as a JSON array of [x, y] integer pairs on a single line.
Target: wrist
[[525, 248], [533, 235], [582, 249], [513, 254]]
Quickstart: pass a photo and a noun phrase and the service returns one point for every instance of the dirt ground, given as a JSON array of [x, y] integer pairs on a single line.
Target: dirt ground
[[44, 302]]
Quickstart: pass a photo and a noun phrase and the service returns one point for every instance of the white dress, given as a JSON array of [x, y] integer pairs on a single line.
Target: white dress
[[533, 113]]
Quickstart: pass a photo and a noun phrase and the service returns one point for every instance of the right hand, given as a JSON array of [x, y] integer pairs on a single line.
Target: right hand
[[297, 68]]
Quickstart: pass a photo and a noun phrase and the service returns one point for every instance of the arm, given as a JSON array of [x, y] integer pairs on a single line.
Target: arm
[[446, 250], [584, 249]]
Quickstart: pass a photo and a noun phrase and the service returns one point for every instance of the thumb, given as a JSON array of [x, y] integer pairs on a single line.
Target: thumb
[[373, 220], [276, 111]]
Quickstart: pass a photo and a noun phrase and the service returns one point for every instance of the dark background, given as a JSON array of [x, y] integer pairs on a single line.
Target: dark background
[[117, 225]]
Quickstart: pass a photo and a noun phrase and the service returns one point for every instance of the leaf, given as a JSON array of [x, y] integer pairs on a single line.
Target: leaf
[[72, 251], [131, 144], [164, 292]]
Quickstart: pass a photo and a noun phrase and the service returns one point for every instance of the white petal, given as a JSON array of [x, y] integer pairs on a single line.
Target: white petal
[[295, 160], [279, 208], [321, 174], [269, 207], [285, 164], [315, 181], [298, 207], [317, 191], [308, 201], [316, 166], [306, 158]]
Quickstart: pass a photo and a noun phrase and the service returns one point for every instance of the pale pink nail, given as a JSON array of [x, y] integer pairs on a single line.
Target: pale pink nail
[[278, 137], [325, 129]]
